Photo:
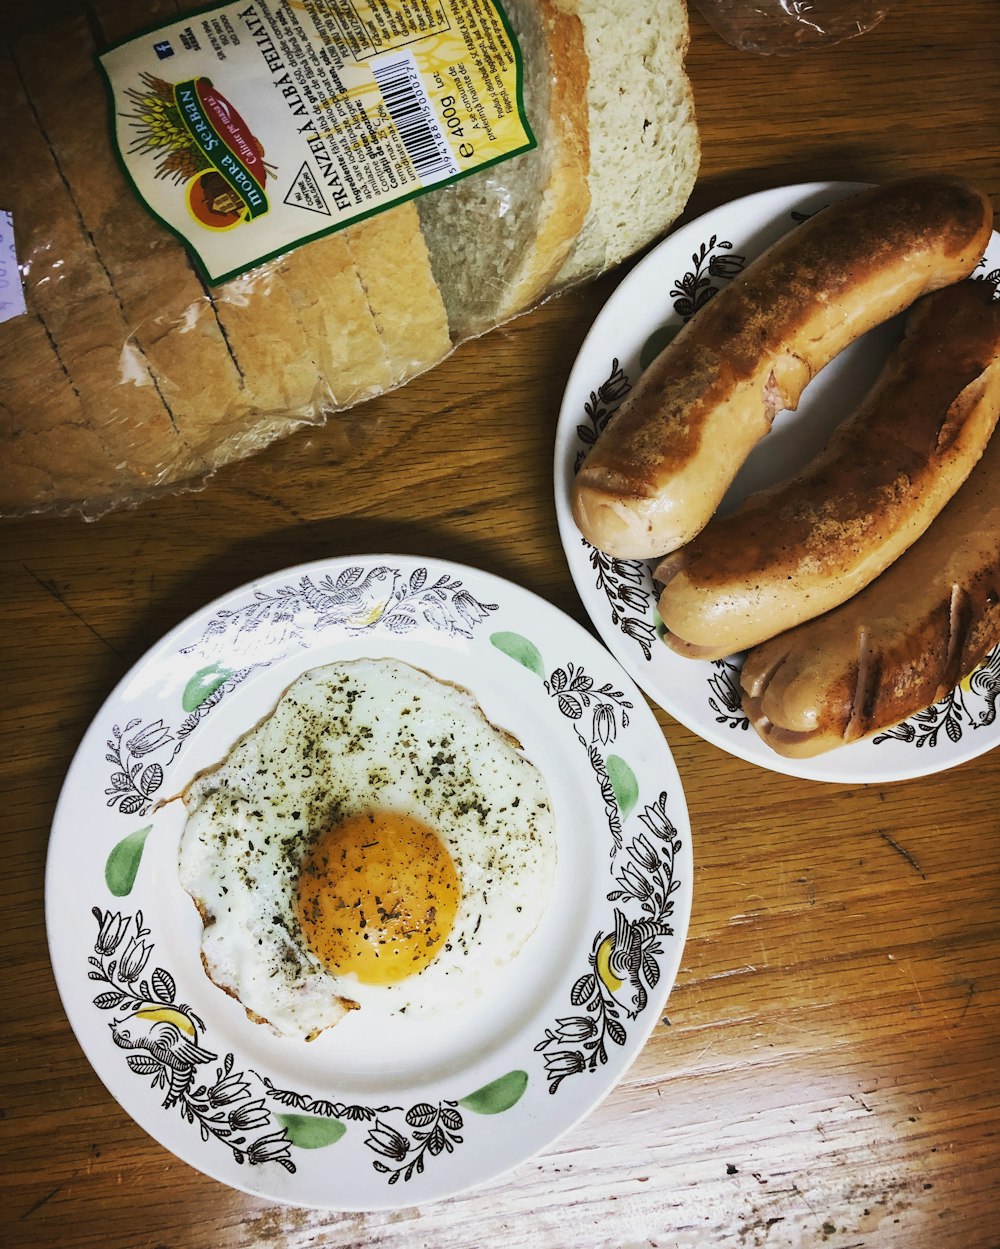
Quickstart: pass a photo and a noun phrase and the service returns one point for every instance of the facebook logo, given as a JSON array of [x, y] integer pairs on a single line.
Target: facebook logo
[[163, 49]]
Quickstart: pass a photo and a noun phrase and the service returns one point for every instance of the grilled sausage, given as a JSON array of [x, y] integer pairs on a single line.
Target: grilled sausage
[[898, 646], [807, 544], [662, 464]]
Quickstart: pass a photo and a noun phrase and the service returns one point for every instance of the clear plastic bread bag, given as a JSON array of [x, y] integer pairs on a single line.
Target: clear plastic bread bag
[[783, 27], [298, 207]]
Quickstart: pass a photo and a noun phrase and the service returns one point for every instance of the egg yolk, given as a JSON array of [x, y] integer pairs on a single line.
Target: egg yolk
[[377, 896]]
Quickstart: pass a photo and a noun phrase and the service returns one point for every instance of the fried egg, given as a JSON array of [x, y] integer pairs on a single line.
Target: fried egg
[[375, 842]]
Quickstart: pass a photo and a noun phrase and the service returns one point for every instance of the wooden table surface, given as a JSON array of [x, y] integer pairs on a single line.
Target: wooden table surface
[[829, 1073]]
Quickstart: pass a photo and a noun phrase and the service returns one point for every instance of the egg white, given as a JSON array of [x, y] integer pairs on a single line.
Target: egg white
[[347, 738]]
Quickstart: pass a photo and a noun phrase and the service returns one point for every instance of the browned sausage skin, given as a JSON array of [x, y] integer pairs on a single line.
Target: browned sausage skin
[[803, 546], [664, 461], [898, 646]]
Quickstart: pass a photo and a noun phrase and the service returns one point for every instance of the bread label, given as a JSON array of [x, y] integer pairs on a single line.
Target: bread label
[[252, 127], [11, 289]]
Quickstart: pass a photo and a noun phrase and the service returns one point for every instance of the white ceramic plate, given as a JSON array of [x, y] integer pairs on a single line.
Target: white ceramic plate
[[656, 298], [372, 1114]]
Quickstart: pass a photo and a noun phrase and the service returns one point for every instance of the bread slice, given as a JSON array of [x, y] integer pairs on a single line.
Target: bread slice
[[366, 297], [50, 449], [393, 266], [498, 237], [333, 309], [82, 339], [644, 143], [56, 459], [169, 319]]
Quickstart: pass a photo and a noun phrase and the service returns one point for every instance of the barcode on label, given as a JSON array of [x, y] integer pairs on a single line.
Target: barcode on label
[[413, 115]]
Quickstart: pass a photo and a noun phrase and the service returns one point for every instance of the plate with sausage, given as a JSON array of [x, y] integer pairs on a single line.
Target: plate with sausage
[[789, 534]]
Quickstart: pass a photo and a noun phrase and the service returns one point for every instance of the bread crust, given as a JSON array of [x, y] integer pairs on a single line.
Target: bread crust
[[59, 457], [394, 269], [334, 312], [566, 198], [81, 340], [167, 317], [644, 146], [664, 461], [807, 544], [900, 645], [498, 238]]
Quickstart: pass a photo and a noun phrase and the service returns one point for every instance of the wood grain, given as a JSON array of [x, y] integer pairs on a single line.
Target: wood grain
[[826, 1071]]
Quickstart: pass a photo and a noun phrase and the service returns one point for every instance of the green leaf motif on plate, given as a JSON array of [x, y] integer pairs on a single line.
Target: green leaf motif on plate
[[123, 862], [655, 343], [624, 784], [203, 685], [658, 624], [519, 648], [309, 1132], [498, 1096]]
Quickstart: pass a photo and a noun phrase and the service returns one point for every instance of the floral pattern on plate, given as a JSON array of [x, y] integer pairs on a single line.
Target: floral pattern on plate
[[645, 312], [207, 1092]]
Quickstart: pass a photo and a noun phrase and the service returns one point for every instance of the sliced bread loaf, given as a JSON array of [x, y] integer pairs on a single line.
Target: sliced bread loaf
[[235, 365], [152, 377]]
